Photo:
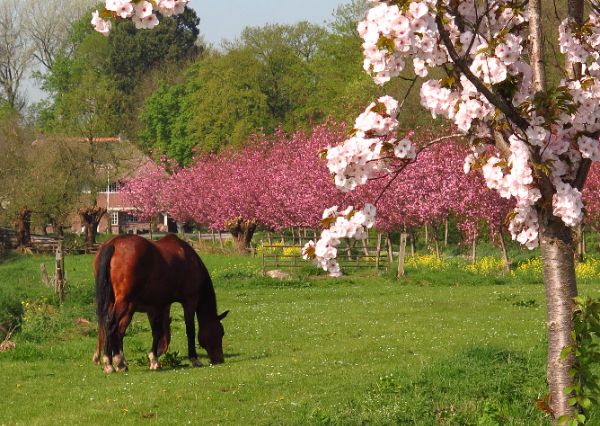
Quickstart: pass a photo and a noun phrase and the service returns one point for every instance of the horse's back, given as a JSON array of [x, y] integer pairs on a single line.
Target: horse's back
[[150, 272], [186, 264]]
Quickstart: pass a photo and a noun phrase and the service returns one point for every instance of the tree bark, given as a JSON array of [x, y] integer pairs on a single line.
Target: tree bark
[[242, 231], [90, 218], [579, 238], [446, 232], [556, 243], [24, 227], [537, 45], [504, 252]]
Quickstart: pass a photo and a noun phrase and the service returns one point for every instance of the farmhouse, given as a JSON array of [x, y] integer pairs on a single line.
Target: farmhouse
[[125, 161]]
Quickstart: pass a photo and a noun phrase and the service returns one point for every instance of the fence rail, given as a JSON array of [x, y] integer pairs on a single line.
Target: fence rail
[[39, 243], [273, 256]]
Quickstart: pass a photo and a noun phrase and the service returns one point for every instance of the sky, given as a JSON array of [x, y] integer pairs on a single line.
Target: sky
[[226, 18]]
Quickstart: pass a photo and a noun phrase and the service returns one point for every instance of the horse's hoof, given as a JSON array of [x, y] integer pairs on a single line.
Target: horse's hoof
[[154, 364], [96, 359], [121, 368], [108, 369], [195, 362]]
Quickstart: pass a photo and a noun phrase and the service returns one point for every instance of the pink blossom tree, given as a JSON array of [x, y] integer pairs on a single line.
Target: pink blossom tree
[[146, 190], [591, 198]]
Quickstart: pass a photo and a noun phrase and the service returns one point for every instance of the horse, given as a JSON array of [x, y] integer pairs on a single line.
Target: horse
[[134, 274]]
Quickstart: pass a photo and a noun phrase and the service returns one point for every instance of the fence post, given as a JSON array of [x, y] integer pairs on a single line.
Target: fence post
[[365, 248], [401, 254], [59, 283], [262, 255], [390, 252]]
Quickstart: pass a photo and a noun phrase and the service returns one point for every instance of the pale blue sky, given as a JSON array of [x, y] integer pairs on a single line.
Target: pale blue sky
[[226, 18]]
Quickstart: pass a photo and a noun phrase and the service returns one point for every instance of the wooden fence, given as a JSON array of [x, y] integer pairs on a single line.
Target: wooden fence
[[351, 256], [39, 243]]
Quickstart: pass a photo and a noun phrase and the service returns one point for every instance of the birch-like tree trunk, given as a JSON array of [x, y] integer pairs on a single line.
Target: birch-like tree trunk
[[560, 287], [556, 242]]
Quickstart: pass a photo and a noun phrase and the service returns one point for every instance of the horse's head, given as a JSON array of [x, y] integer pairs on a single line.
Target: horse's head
[[210, 337]]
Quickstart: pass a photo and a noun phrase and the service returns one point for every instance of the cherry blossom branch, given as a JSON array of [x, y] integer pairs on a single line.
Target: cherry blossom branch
[[508, 110]]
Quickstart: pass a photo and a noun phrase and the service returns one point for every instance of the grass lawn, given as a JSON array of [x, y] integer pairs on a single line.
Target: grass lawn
[[440, 347]]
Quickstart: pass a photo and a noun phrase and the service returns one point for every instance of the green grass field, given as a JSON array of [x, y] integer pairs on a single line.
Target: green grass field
[[439, 347]]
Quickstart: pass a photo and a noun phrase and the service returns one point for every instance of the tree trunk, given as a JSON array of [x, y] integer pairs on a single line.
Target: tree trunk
[[560, 287], [504, 252], [474, 251], [90, 217], [446, 233], [242, 231], [436, 246], [24, 227], [579, 236]]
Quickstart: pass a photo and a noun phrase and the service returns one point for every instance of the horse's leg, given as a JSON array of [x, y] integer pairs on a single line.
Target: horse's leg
[[110, 342], [190, 331], [157, 324], [165, 339], [99, 346], [124, 312]]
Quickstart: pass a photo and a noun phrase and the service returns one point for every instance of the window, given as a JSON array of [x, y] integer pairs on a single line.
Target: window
[[115, 218], [131, 218], [114, 187]]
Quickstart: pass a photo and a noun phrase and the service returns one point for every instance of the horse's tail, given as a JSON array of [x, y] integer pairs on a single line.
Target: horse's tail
[[105, 297]]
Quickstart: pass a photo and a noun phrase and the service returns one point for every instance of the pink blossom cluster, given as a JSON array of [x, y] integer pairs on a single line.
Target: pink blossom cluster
[[147, 191], [141, 12], [591, 197], [372, 148], [349, 223], [515, 179], [391, 34]]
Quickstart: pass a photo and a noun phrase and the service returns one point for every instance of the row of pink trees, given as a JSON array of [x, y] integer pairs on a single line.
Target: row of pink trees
[[281, 183]]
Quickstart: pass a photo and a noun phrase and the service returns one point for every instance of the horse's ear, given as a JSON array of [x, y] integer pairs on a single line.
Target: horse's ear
[[223, 315]]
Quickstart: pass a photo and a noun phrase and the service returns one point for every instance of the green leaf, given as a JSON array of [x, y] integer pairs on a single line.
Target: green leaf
[[566, 351], [585, 403]]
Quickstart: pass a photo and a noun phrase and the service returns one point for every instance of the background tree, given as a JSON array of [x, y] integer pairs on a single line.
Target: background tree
[[15, 52], [49, 24]]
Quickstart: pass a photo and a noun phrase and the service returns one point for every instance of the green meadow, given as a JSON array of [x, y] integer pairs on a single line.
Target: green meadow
[[445, 345]]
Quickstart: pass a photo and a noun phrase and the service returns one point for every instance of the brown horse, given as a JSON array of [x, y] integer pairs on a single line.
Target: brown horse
[[134, 274]]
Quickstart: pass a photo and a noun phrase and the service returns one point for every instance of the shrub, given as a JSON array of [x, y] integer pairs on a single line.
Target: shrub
[[487, 265], [428, 261], [39, 320]]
